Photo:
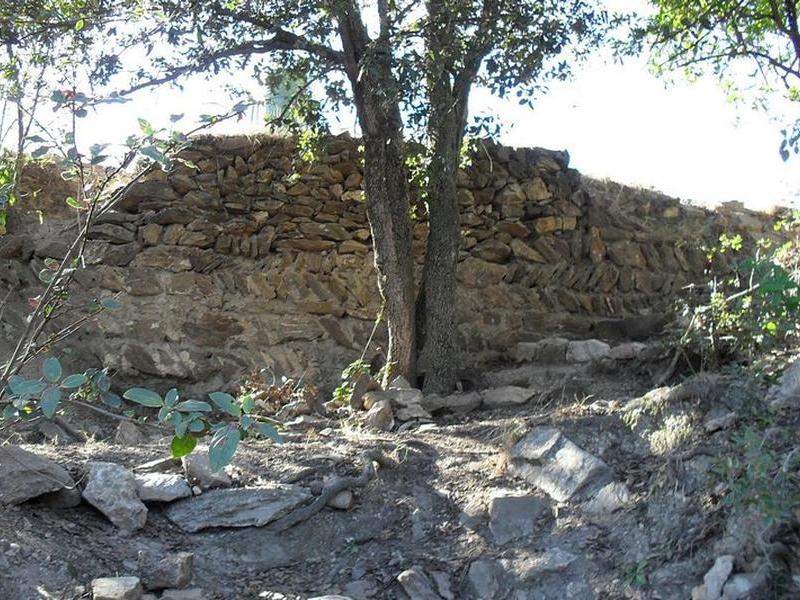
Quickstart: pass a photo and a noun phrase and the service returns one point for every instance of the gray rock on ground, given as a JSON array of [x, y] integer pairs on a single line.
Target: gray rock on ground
[[549, 350], [380, 416], [547, 459], [460, 403], [161, 487], [197, 468], [609, 499], [244, 507], [484, 580], [714, 580], [508, 395], [417, 585], [587, 350], [513, 516], [342, 501], [25, 475], [111, 489], [532, 567], [786, 393], [171, 571], [187, 594], [117, 588]]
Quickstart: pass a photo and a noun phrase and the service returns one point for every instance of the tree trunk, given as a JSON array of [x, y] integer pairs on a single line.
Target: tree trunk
[[386, 189], [436, 310], [368, 64]]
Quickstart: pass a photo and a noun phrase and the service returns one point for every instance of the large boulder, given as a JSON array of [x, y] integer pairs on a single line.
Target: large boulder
[[25, 475], [112, 490]]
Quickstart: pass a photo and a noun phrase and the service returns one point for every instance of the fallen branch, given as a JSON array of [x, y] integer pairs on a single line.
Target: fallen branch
[[335, 486]]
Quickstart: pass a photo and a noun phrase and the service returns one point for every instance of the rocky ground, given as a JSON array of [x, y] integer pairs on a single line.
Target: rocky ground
[[567, 480]]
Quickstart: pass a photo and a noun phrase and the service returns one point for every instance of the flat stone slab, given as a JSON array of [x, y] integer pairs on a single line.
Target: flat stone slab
[[557, 466], [161, 487], [513, 516], [508, 395], [25, 475], [243, 507], [532, 567]]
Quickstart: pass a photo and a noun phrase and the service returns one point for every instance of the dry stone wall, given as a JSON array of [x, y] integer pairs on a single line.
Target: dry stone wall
[[256, 260]]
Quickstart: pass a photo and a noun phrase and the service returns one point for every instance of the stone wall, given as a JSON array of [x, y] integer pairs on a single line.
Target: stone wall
[[254, 260]]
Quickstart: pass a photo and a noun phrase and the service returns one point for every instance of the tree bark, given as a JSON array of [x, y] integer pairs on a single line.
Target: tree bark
[[369, 68], [436, 310], [448, 94]]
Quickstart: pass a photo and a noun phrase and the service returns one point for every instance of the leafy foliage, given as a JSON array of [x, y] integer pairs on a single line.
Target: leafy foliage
[[761, 476], [753, 308], [727, 36], [227, 419]]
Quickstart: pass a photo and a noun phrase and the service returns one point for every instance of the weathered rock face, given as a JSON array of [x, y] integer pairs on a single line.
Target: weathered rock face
[[255, 259], [25, 475]]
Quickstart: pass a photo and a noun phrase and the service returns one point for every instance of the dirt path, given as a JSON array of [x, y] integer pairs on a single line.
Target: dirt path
[[448, 521]]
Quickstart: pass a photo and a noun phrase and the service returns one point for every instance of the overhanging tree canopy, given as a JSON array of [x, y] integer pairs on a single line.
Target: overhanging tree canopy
[[723, 36], [407, 68]]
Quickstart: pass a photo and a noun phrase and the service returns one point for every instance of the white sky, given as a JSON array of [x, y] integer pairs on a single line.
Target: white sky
[[617, 121]]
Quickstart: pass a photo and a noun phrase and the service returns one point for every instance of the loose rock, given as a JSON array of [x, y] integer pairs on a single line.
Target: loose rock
[[380, 416], [161, 487], [24, 475], [509, 395], [587, 350], [117, 588], [417, 585], [557, 466], [197, 468], [172, 571], [111, 489], [513, 516]]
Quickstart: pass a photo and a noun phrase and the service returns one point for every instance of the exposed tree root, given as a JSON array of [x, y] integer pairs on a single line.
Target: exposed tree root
[[335, 486]]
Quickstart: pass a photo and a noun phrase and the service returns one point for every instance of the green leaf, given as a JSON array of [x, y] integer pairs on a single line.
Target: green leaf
[[10, 412], [49, 402], [171, 398], [80, 24], [181, 424], [103, 382], [145, 126], [182, 445], [155, 154], [143, 396], [268, 431], [223, 446], [197, 426], [226, 403], [51, 369], [193, 406], [111, 399], [246, 421], [74, 381], [248, 403], [110, 303], [25, 387]]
